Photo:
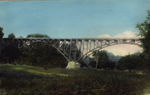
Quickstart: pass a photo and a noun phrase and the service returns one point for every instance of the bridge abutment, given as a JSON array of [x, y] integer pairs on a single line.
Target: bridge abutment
[[73, 65]]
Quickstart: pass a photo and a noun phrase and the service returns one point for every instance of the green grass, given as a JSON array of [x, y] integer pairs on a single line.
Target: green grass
[[30, 80]]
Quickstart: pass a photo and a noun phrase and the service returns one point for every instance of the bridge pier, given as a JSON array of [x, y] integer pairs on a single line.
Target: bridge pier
[[73, 65]]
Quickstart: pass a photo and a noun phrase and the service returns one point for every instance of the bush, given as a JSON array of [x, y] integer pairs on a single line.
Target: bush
[[130, 62], [108, 65], [10, 53]]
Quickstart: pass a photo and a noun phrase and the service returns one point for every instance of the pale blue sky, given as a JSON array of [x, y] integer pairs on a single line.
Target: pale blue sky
[[72, 18]]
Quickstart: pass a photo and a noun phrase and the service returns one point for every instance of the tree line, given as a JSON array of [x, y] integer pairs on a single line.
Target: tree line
[[42, 54]]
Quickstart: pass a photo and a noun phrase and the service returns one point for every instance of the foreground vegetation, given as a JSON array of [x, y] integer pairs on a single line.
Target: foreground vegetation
[[30, 80]]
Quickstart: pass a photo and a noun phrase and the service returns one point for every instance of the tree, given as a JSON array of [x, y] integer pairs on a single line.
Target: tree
[[44, 55], [130, 62], [1, 33], [38, 36], [101, 58], [144, 29], [11, 35]]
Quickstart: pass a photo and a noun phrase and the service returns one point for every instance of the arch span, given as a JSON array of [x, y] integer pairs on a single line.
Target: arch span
[[99, 48], [70, 48]]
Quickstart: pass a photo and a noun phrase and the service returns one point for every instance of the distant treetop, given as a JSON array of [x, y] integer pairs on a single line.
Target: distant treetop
[[37, 36], [11, 35]]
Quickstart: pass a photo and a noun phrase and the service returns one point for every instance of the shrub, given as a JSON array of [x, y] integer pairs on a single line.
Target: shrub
[[10, 53], [130, 62]]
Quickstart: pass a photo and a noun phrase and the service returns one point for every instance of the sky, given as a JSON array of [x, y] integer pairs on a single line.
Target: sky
[[73, 18]]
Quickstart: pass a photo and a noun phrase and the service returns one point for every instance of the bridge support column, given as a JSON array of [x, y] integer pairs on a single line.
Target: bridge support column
[[73, 65]]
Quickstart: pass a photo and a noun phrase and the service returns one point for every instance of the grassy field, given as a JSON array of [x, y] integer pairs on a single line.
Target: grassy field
[[30, 80]]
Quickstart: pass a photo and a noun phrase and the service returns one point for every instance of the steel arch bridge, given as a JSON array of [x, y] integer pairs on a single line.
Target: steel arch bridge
[[70, 48]]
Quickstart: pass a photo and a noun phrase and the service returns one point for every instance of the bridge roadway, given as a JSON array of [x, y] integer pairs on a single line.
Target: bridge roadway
[[75, 49]]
